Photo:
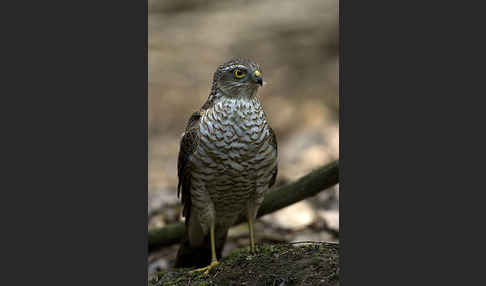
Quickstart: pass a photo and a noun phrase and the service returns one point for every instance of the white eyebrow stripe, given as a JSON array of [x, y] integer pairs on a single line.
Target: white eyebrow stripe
[[233, 67]]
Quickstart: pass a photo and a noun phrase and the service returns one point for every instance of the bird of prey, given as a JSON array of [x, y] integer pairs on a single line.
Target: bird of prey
[[227, 161]]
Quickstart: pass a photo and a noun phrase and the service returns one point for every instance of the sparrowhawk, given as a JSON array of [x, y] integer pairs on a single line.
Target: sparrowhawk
[[227, 161]]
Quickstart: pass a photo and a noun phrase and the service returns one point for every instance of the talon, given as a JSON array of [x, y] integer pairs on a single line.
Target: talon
[[206, 269]]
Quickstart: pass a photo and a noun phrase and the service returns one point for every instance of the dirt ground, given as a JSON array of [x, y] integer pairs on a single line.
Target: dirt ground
[[296, 43], [276, 264]]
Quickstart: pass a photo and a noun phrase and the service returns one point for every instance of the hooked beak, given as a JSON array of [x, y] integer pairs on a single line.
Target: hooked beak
[[257, 76]]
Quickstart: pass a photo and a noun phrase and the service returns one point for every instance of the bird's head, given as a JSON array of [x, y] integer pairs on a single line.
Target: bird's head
[[238, 77]]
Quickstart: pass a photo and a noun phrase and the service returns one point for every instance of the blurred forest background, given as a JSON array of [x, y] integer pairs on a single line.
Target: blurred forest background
[[296, 43]]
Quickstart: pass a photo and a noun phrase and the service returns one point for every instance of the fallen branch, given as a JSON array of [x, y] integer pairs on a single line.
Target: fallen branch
[[278, 198]]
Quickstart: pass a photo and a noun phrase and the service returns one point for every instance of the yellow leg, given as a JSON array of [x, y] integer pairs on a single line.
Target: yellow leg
[[214, 260], [252, 235]]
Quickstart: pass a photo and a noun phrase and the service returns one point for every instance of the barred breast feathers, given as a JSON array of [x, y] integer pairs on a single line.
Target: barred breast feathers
[[230, 148], [234, 128]]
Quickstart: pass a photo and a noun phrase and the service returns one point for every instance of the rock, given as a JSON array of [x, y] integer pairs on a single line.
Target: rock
[[156, 221], [331, 217], [308, 235], [296, 216], [158, 265]]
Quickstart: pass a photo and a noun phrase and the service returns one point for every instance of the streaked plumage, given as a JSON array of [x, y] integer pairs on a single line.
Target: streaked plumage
[[227, 161]]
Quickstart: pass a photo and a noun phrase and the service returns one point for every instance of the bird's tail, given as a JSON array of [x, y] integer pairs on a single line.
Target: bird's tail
[[199, 256]]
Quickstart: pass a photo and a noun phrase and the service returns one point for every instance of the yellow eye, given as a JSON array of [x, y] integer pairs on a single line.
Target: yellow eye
[[239, 73]]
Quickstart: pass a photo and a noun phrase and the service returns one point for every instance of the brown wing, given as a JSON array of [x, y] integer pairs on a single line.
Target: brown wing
[[189, 142], [273, 141]]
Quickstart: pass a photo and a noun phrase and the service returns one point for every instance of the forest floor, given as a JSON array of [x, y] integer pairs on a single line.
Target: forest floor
[[283, 264]]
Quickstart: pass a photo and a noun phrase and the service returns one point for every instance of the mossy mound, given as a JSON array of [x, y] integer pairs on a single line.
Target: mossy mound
[[310, 263]]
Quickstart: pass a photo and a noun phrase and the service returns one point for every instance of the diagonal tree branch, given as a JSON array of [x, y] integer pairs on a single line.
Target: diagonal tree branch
[[278, 198]]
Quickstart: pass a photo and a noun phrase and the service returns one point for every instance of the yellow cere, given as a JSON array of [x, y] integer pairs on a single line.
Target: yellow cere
[[258, 73], [239, 73]]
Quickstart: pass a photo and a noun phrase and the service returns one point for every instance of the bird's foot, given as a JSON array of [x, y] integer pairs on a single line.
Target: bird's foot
[[206, 269], [252, 249]]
